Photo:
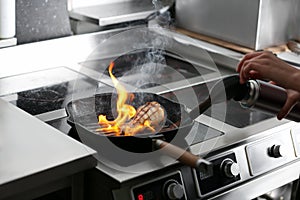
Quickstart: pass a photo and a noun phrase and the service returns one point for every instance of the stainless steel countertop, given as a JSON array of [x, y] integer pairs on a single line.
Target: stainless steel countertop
[[32, 153], [114, 13], [69, 51]]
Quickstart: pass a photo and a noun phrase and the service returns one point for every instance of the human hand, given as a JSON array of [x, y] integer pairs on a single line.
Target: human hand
[[293, 98], [265, 65]]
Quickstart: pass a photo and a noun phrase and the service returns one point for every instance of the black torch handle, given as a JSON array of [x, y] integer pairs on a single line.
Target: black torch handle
[[227, 88]]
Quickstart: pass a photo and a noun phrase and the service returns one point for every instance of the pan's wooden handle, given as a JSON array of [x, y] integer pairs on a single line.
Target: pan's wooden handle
[[183, 156]]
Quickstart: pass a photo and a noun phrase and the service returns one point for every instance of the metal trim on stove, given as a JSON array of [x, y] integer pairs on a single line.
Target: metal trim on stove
[[262, 184], [169, 177], [288, 137], [223, 181], [52, 115], [260, 156]]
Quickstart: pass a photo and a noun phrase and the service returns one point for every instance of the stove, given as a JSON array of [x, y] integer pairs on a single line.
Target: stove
[[164, 178], [250, 151]]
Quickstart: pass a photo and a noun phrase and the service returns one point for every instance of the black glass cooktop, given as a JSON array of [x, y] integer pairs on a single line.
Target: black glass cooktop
[[148, 68], [52, 96]]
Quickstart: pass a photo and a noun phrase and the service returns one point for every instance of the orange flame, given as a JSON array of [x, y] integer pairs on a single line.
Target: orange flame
[[121, 125]]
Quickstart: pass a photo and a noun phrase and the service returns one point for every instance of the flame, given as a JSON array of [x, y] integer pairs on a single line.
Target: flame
[[121, 124]]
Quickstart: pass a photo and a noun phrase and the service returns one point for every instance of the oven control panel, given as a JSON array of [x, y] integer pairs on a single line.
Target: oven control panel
[[271, 152], [225, 172], [168, 187]]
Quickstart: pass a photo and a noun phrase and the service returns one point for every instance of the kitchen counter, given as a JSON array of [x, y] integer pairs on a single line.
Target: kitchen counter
[[37, 159]]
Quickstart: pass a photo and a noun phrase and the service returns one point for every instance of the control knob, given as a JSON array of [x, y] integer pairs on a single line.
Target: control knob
[[173, 190], [230, 168], [276, 151]]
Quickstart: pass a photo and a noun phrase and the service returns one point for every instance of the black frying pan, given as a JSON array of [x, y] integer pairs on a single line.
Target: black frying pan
[[83, 116], [85, 112]]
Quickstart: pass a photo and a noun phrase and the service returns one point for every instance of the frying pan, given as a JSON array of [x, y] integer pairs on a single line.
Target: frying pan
[[83, 114]]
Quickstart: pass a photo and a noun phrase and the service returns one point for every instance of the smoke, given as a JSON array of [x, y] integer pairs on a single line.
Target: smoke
[[149, 60], [148, 69], [157, 3], [164, 18], [151, 67]]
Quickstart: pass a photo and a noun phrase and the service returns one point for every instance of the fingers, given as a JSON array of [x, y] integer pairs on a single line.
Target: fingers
[[247, 57], [265, 65], [251, 56], [292, 99], [288, 106], [254, 75], [251, 70], [255, 65]]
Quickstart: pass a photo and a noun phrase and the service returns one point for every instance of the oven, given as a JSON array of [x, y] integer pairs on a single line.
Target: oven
[[251, 153]]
